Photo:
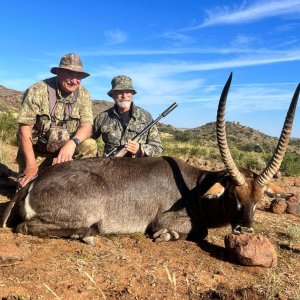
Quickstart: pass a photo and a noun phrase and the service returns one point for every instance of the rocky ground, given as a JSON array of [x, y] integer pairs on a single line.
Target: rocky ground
[[135, 267]]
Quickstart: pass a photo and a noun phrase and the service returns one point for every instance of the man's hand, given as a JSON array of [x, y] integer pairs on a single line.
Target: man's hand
[[28, 174], [132, 147], [66, 152]]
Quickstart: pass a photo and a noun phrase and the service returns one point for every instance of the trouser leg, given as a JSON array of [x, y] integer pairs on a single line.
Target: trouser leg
[[87, 148]]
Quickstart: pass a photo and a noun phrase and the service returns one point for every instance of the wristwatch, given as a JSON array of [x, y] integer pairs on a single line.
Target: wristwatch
[[76, 140]]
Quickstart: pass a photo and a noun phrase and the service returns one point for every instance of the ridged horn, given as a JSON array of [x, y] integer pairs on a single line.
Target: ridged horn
[[276, 160], [234, 172]]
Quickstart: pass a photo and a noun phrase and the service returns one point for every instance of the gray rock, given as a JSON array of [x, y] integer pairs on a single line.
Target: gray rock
[[293, 206]]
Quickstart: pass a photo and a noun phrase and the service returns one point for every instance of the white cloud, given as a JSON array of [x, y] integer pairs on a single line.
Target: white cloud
[[179, 39], [256, 98], [249, 13], [115, 36], [244, 41], [163, 83], [287, 27], [235, 48], [177, 67]]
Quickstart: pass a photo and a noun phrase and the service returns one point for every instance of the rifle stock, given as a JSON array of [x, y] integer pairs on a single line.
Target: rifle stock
[[120, 151]]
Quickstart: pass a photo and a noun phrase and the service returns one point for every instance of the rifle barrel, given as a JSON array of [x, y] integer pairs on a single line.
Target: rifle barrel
[[169, 109], [163, 114]]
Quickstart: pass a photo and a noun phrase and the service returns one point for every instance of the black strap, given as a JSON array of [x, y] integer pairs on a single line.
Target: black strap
[[52, 99]]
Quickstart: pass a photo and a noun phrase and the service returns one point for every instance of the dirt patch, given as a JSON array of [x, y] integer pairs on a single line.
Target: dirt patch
[[135, 267]]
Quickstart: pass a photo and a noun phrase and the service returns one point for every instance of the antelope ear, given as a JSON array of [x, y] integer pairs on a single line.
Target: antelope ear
[[215, 191], [274, 191]]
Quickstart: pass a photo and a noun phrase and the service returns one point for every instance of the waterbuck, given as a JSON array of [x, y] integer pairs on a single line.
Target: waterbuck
[[162, 195]]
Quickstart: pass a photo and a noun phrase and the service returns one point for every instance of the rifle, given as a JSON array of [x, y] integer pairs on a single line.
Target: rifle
[[120, 151]]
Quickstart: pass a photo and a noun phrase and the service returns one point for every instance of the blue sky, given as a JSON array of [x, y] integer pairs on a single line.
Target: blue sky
[[179, 51]]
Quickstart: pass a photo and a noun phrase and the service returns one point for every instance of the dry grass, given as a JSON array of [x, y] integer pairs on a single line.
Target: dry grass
[[4, 153], [134, 267]]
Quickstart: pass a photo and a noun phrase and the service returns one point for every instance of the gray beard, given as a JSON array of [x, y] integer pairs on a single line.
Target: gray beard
[[123, 104]]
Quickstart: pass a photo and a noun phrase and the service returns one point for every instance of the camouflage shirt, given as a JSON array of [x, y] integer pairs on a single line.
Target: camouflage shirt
[[109, 125], [35, 108]]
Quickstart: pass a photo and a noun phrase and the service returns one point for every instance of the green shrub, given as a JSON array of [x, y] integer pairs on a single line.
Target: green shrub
[[291, 164], [8, 128], [183, 136]]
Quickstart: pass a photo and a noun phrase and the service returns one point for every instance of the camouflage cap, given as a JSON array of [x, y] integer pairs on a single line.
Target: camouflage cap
[[70, 62], [121, 83]]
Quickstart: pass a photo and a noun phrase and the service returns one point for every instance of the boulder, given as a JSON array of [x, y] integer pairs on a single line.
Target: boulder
[[293, 206], [297, 182], [251, 250], [277, 175], [278, 206]]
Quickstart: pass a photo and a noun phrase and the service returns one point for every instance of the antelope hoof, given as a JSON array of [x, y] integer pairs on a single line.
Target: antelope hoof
[[165, 235], [75, 237], [90, 240], [22, 228]]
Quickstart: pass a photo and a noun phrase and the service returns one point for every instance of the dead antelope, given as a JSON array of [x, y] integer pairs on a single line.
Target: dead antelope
[[162, 195]]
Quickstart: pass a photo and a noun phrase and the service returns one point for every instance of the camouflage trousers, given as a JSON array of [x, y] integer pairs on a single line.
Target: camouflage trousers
[[88, 148]]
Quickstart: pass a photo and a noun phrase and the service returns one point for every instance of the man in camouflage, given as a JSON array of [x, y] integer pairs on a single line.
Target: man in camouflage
[[55, 120], [119, 124]]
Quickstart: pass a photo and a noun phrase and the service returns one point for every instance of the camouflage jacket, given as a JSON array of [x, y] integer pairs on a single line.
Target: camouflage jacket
[[35, 108], [108, 124]]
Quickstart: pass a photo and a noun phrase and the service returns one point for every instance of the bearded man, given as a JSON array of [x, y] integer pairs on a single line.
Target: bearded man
[[119, 124]]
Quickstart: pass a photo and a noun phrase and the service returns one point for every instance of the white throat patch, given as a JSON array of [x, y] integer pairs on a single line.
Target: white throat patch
[[29, 212]]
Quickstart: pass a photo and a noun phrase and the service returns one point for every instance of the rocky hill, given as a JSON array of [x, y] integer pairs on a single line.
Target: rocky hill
[[10, 100], [242, 137]]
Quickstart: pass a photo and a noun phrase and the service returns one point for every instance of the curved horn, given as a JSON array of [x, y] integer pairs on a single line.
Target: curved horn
[[234, 172], [275, 162]]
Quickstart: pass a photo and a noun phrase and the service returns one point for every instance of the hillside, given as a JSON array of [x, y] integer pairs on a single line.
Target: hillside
[[10, 100], [242, 137], [239, 136]]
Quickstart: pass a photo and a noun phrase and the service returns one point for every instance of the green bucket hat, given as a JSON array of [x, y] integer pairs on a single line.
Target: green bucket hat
[[121, 83], [71, 62]]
